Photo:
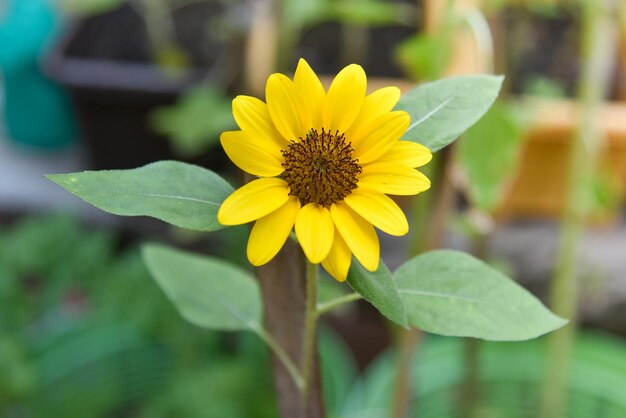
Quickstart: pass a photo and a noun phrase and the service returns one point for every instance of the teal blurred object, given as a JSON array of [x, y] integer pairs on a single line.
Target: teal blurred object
[[37, 111]]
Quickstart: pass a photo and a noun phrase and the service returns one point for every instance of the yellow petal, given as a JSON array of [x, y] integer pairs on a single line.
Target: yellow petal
[[407, 153], [358, 234], [253, 201], [283, 104], [379, 210], [315, 231], [344, 99], [312, 91], [252, 116], [393, 179], [375, 105], [254, 154], [381, 135], [268, 235], [337, 263]]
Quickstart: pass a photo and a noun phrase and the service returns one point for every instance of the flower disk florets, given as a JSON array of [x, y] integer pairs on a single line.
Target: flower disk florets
[[320, 168]]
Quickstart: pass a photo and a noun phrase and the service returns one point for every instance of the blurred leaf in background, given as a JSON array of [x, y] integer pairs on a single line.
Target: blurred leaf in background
[[367, 12], [195, 122], [545, 87], [489, 153], [603, 194], [89, 7], [307, 13], [424, 56]]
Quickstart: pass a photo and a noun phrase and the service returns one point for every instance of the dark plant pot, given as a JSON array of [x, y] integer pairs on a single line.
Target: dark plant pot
[[104, 62]]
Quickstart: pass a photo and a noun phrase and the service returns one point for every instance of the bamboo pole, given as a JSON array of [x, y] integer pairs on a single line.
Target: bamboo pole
[[597, 36]]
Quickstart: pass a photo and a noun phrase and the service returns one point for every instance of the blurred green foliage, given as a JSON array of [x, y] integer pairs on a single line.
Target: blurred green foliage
[[425, 57], [89, 7], [85, 332], [489, 153], [510, 380], [193, 124], [545, 87], [301, 14]]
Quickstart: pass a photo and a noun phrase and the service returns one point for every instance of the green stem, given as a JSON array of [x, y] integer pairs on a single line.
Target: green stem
[[582, 165], [308, 351], [471, 347], [282, 355], [407, 346], [322, 308]]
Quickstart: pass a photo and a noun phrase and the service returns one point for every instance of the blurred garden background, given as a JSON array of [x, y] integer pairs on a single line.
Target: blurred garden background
[[536, 188]]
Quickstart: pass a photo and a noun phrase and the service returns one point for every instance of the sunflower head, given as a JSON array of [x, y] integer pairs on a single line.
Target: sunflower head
[[320, 168], [325, 162]]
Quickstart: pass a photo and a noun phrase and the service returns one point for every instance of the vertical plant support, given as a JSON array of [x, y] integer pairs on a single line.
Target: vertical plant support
[[261, 48], [284, 290], [597, 56]]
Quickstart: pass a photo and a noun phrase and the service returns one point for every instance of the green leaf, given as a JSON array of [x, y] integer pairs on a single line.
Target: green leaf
[[442, 110], [489, 152], [181, 194], [378, 288], [452, 293], [206, 291]]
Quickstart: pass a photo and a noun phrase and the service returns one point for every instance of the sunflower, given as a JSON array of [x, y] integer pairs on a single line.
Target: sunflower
[[326, 162]]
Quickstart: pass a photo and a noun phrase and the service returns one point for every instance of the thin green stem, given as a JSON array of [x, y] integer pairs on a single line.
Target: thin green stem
[[308, 350], [282, 355], [469, 391], [322, 308], [403, 389], [583, 162]]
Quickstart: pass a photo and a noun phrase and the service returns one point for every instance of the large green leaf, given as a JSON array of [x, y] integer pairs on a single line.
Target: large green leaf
[[207, 291], [378, 288], [181, 194], [489, 152], [442, 110], [452, 293]]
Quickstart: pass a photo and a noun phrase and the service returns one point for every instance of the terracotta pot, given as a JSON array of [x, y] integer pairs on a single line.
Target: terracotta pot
[[539, 187]]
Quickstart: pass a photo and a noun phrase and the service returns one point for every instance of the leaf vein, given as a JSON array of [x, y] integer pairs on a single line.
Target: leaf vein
[[432, 112], [442, 295], [166, 196]]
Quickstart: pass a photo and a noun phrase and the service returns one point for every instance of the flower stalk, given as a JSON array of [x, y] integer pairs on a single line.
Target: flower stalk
[[283, 287], [310, 327]]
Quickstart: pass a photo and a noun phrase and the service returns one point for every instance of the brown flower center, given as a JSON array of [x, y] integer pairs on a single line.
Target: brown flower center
[[320, 168]]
